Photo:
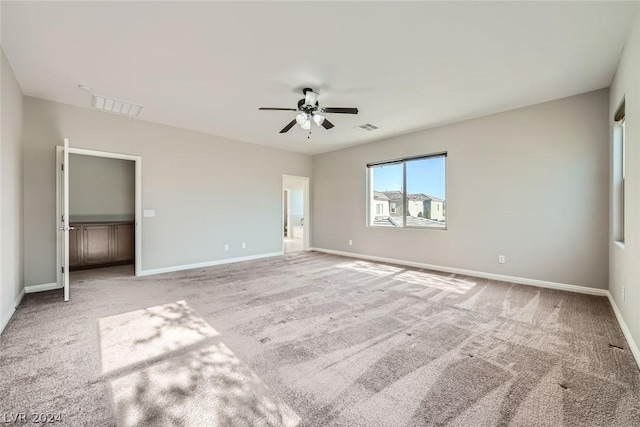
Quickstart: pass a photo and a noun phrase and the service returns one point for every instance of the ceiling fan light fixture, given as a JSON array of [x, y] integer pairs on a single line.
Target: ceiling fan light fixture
[[308, 109], [301, 118], [310, 97]]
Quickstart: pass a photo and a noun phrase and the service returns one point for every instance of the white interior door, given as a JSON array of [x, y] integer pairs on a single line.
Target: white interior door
[[64, 228]]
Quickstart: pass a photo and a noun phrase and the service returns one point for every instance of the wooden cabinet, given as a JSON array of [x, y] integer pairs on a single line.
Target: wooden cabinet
[[75, 247], [101, 244], [97, 245], [123, 242]]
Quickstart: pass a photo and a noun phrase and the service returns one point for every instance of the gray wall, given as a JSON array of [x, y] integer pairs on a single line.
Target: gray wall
[[11, 264], [101, 186], [624, 264], [531, 184], [189, 178]]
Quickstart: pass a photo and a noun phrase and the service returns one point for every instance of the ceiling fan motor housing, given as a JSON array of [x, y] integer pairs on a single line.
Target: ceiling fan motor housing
[[309, 109]]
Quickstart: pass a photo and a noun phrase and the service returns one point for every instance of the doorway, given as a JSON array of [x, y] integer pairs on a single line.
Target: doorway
[[99, 208], [295, 213]]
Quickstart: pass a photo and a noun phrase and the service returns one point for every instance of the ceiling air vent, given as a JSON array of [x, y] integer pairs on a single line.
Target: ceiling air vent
[[116, 106], [367, 127]]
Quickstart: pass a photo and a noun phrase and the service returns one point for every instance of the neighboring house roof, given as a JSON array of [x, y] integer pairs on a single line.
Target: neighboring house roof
[[377, 195], [393, 195], [418, 197], [411, 222], [397, 195]]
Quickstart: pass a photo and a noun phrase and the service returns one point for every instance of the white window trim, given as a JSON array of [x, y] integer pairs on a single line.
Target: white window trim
[[403, 161]]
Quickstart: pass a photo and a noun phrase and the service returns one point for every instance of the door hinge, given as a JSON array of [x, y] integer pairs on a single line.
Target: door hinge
[[62, 270], [63, 166]]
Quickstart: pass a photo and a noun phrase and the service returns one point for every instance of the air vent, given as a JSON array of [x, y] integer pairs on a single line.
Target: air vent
[[367, 127], [116, 106]]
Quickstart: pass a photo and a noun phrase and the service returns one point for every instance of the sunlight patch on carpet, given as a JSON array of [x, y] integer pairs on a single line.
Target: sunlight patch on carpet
[[414, 277], [437, 281], [168, 368], [371, 268], [134, 337], [207, 387]]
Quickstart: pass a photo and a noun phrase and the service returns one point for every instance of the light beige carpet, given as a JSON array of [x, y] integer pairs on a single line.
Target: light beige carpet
[[341, 342], [167, 367]]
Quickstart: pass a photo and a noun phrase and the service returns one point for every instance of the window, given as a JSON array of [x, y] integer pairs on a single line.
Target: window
[[413, 188], [619, 174], [379, 209]]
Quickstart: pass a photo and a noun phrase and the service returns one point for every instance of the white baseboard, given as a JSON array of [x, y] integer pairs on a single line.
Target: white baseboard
[[41, 288], [207, 264], [18, 299], [493, 276], [625, 329], [4, 321], [5, 318]]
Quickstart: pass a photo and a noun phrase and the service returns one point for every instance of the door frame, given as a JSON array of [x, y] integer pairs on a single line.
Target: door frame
[[306, 237], [138, 202], [286, 198]]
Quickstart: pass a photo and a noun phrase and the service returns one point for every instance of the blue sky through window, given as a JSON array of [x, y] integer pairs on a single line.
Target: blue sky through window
[[425, 176]]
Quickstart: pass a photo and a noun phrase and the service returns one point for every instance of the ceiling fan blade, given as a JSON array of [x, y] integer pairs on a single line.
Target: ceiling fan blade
[[289, 126], [341, 110], [277, 109], [327, 124]]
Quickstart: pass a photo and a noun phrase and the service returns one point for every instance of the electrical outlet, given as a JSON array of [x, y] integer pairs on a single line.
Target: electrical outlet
[[350, 242], [226, 247], [244, 245], [624, 294], [502, 259]]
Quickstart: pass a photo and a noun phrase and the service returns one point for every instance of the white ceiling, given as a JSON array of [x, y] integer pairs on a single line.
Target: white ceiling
[[208, 66]]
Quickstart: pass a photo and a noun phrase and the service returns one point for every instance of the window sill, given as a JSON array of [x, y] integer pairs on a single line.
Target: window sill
[[619, 244]]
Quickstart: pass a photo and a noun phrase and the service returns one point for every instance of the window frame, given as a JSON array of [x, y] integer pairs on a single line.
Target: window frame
[[620, 194], [618, 169], [405, 203]]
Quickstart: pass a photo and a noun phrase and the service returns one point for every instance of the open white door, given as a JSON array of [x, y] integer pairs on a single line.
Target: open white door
[[64, 228]]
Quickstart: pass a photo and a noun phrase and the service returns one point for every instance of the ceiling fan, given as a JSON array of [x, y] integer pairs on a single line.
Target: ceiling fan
[[309, 110]]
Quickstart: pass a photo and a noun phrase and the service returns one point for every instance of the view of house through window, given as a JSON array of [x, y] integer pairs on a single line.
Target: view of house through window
[[619, 172], [408, 192]]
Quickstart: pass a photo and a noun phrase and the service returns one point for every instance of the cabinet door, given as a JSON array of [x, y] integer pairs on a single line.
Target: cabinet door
[[75, 246], [124, 242], [97, 244]]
